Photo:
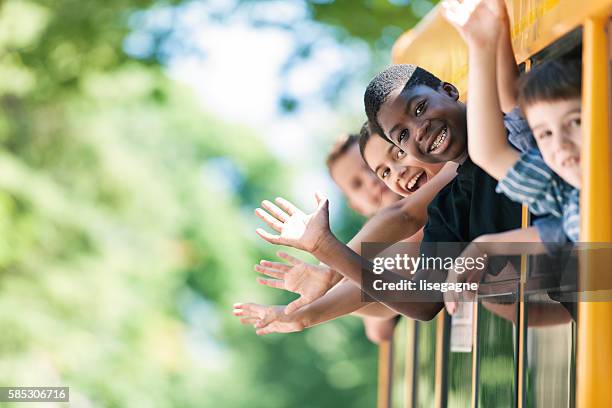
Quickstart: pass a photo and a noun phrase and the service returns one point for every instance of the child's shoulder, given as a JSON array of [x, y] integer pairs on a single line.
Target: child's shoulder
[[519, 132]]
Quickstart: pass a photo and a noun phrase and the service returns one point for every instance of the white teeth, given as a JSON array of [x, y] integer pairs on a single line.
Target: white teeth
[[439, 140], [414, 180]]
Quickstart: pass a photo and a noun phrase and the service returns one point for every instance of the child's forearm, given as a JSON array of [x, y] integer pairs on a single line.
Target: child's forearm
[[418, 304], [487, 142], [375, 310], [406, 217], [522, 241], [343, 299], [507, 71]]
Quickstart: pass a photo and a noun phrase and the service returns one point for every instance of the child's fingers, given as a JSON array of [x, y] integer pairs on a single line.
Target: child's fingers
[[296, 305], [248, 310], [268, 219], [451, 307], [271, 238], [264, 328], [275, 211], [319, 196], [273, 283], [264, 331], [287, 206], [322, 204], [470, 5], [279, 266], [450, 9], [249, 320], [291, 259], [271, 272]]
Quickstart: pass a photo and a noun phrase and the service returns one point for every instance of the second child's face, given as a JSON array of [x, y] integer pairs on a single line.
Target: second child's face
[[398, 170], [557, 130], [428, 124], [365, 193]]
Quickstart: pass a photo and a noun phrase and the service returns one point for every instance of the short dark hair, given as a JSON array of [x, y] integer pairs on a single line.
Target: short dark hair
[[396, 76], [340, 147], [551, 81], [364, 136]]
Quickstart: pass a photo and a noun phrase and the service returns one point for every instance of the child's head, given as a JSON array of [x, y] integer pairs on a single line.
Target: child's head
[[365, 193], [418, 112], [549, 97], [399, 171]]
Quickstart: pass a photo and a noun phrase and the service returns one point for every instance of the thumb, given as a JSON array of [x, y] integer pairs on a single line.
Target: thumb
[[319, 196], [322, 202], [295, 305], [451, 306]]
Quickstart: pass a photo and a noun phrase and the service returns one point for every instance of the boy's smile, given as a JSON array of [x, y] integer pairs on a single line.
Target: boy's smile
[[429, 124], [366, 194], [399, 171], [556, 127]]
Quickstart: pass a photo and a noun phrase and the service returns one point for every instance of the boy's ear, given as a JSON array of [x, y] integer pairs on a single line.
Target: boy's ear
[[450, 90]]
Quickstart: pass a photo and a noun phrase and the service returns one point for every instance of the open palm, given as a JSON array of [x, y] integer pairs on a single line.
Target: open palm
[[267, 319], [309, 281], [476, 20], [296, 228]]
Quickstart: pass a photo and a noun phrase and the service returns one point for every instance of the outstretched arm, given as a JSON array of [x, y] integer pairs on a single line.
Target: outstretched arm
[[406, 217], [507, 70], [417, 304], [309, 281], [479, 22], [521, 241], [343, 299], [311, 233]]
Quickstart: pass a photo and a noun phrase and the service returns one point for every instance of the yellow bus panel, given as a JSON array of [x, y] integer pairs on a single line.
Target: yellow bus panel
[[436, 46]]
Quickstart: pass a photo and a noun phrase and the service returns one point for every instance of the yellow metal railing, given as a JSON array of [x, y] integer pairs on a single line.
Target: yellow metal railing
[[385, 377], [594, 355]]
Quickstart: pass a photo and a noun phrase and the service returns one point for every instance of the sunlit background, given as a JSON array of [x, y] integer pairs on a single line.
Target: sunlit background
[[137, 137]]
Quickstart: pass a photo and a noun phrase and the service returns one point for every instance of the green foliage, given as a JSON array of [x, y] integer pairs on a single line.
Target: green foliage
[[122, 244]]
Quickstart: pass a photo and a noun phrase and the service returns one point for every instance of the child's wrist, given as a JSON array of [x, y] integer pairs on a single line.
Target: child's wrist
[[324, 247], [482, 50], [302, 318]]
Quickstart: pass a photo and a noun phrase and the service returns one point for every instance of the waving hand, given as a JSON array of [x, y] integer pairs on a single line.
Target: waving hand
[[295, 228], [309, 281]]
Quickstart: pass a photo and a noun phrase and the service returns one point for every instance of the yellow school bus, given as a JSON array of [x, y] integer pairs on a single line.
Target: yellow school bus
[[495, 362]]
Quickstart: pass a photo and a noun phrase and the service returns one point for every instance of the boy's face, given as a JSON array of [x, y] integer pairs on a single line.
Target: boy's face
[[556, 127], [428, 124], [399, 171], [365, 193]]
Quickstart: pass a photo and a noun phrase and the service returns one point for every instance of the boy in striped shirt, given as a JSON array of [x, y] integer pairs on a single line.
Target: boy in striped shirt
[[546, 177]]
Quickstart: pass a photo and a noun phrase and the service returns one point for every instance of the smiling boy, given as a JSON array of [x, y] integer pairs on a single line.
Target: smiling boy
[[399, 171], [365, 193], [423, 117]]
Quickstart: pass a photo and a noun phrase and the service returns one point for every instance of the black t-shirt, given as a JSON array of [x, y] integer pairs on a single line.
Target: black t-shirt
[[469, 207]]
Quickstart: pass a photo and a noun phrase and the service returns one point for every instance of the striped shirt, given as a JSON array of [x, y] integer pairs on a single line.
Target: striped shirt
[[530, 181]]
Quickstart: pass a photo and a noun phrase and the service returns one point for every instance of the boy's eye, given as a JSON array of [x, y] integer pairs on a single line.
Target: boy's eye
[[575, 123], [385, 173], [403, 134], [400, 154], [544, 134], [420, 109]]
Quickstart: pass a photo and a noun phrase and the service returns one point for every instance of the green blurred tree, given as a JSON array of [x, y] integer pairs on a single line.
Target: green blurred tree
[[123, 242]]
